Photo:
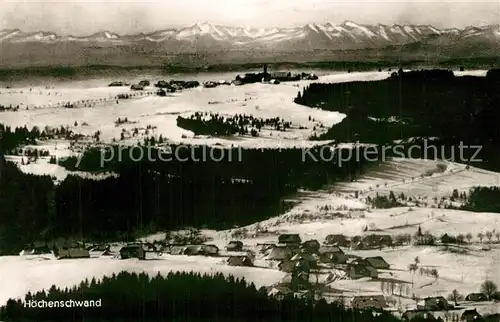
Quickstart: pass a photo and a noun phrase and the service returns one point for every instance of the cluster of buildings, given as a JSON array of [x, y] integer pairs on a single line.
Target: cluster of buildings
[[310, 267], [272, 78]]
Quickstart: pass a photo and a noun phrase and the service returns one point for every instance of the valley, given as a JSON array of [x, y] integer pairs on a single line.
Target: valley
[[322, 199]]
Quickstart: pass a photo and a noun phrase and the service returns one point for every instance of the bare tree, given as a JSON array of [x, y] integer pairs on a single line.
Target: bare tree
[[455, 296], [401, 287], [488, 288], [435, 273], [412, 268], [480, 236], [489, 235]]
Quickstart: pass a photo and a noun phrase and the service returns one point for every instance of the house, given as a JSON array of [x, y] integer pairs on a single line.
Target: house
[[209, 84], [116, 84], [240, 261], [300, 280], [338, 240], [377, 262], [281, 75], [210, 250], [137, 87], [355, 271], [107, 251], [471, 315], [436, 303], [280, 253], [177, 250], [98, 248], [305, 261], [476, 297], [279, 292], [309, 76], [368, 302], [35, 249], [446, 239], [150, 247], [287, 266], [332, 254], [263, 247], [204, 250], [311, 246], [162, 84], [234, 246], [418, 314], [193, 250], [289, 239], [132, 251], [375, 241], [41, 248], [285, 280], [72, 251]]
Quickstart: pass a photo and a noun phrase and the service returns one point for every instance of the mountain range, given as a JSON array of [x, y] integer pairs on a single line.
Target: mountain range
[[204, 37]]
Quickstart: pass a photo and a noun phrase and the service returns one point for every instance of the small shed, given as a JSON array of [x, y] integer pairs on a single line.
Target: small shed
[[240, 261], [377, 262], [234, 246], [132, 251], [289, 239]]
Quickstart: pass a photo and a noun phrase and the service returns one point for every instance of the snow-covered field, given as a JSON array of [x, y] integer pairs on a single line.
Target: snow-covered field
[[340, 209], [19, 275], [422, 179], [259, 100]]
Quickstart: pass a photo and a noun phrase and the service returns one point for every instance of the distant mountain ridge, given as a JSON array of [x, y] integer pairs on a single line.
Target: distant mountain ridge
[[347, 35], [204, 37]]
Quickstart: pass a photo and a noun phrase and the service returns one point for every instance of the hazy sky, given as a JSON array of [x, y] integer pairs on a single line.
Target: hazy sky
[[85, 17]]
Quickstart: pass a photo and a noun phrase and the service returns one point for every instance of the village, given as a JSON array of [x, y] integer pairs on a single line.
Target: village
[[310, 267]]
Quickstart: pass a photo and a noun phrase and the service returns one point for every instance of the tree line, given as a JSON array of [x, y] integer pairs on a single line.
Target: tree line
[[153, 195], [183, 296], [416, 104], [483, 199]]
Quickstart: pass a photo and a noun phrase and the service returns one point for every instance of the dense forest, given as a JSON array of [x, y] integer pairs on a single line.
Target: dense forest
[[180, 297], [218, 125], [234, 187], [416, 104], [483, 199]]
